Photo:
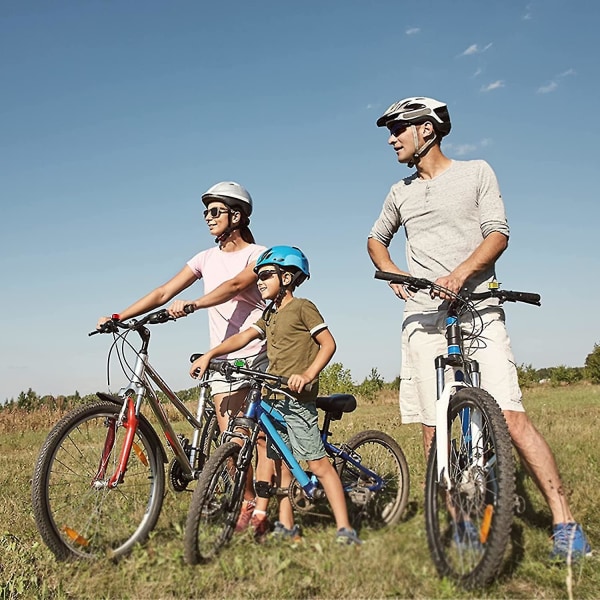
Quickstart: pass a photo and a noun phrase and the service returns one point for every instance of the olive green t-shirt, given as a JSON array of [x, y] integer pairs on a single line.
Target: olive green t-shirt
[[291, 347]]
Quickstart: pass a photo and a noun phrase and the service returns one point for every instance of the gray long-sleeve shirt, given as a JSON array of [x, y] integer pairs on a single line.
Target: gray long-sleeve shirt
[[444, 219]]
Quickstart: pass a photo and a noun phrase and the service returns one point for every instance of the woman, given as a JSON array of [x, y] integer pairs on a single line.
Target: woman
[[233, 303]]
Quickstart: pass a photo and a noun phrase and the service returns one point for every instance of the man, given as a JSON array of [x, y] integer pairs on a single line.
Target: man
[[456, 229]]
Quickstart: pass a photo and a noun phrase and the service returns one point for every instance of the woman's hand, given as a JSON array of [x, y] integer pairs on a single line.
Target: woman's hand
[[177, 308], [199, 366]]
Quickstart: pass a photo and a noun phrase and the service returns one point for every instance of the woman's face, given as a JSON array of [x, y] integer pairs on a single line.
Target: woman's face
[[216, 216]]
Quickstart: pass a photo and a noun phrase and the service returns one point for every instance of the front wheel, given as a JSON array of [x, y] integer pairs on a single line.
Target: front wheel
[[76, 513], [377, 486], [468, 525], [215, 505]]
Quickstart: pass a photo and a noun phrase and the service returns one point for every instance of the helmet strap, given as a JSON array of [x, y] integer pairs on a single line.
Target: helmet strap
[[419, 152], [229, 230]]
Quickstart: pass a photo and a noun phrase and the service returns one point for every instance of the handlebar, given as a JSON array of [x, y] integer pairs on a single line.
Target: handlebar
[[153, 318], [415, 284], [228, 369]]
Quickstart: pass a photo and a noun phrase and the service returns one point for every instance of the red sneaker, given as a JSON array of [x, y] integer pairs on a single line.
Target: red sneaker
[[261, 526], [245, 515]]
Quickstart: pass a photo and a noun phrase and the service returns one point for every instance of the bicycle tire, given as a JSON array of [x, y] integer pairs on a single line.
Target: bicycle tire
[[210, 439], [468, 528], [381, 454], [77, 519], [215, 505]]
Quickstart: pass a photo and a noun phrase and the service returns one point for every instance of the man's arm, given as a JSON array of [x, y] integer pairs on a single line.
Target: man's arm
[[380, 256], [483, 257]]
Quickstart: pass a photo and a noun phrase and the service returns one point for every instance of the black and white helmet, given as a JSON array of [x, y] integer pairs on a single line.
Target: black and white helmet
[[232, 194], [418, 110]]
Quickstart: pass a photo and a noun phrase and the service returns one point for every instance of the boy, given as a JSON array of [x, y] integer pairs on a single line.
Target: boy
[[299, 346]]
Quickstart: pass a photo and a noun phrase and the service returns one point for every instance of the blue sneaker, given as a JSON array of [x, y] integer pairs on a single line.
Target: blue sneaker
[[466, 536], [569, 542], [281, 532], [347, 537]]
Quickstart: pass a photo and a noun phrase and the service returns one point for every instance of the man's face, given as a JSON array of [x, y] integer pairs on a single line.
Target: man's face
[[402, 140]]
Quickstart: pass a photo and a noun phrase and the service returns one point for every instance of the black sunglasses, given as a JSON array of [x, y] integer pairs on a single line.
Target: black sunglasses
[[215, 212], [397, 128], [264, 275]]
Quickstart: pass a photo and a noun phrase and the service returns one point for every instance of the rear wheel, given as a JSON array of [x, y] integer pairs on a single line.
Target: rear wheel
[[378, 498], [215, 505], [76, 513], [468, 525]]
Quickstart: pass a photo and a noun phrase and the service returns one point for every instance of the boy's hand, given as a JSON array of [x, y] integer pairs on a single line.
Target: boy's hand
[[199, 366], [296, 382], [177, 308]]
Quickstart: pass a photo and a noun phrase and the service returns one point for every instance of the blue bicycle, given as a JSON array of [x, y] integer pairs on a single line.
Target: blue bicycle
[[371, 465], [470, 481]]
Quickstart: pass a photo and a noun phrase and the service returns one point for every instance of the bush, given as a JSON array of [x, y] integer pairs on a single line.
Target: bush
[[592, 365]]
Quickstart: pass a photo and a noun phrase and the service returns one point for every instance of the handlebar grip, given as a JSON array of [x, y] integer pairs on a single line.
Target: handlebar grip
[[393, 277], [188, 309], [527, 297]]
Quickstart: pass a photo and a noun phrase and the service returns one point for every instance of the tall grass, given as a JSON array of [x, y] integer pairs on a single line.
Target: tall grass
[[391, 563]]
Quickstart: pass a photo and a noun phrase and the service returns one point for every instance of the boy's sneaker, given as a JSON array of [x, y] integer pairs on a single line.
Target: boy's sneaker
[[245, 515], [466, 536], [347, 537], [260, 527], [281, 532], [569, 540]]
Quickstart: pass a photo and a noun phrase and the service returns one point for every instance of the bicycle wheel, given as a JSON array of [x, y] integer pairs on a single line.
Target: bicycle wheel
[[215, 505], [382, 455], [211, 438], [76, 513], [468, 526]]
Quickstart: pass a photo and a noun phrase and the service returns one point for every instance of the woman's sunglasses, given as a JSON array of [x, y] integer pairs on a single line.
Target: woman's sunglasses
[[264, 275], [215, 212]]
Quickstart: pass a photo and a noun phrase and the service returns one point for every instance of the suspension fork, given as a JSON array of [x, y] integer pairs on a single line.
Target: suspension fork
[[130, 424]]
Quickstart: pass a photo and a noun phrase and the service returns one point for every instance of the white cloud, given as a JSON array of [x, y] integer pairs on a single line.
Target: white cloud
[[472, 49], [475, 49], [413, 30], [465, 149], [493, 86], [528, 14], [546, 89], [553, 84], [478, 72]]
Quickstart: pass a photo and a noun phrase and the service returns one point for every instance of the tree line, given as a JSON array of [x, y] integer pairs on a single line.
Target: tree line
[[334, 379]]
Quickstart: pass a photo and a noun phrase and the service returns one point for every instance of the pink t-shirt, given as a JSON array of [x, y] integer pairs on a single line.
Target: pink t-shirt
[[224, 320]]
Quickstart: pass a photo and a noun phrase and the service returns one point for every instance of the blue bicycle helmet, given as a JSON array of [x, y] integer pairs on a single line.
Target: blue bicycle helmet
[[287, 258]]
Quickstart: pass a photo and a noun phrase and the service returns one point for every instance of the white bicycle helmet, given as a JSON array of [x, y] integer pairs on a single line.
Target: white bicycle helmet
[[418, 110], [231, 194]]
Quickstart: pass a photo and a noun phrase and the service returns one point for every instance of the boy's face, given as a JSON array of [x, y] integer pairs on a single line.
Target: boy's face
[[268, 282]]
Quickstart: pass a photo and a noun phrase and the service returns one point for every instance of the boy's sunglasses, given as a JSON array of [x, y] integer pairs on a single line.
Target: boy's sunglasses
[[215, 212], [397, 128], [264, 275]]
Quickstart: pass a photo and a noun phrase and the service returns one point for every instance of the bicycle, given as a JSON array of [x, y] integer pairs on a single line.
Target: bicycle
[[470, 479], [99, 481], [371, 465]]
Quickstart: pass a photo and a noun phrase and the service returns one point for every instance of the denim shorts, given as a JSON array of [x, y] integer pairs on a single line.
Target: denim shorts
[[302, 435]]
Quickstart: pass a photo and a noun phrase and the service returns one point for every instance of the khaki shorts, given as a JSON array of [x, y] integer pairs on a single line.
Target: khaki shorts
[[423, 339], [302, 435], [219, 385]]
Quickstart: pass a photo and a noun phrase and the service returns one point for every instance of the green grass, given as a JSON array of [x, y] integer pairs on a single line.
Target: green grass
[[392, 563]]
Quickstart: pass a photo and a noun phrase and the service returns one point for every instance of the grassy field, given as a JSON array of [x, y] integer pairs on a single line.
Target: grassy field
[[392, 563]]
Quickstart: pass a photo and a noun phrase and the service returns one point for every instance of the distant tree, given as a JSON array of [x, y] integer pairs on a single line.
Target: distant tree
[[28, 400], [564, 374], [528, 376], [372, 385], [592, 365], [334, 379]]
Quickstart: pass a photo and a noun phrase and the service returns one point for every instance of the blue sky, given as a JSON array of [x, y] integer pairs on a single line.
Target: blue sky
[[116, 116]]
